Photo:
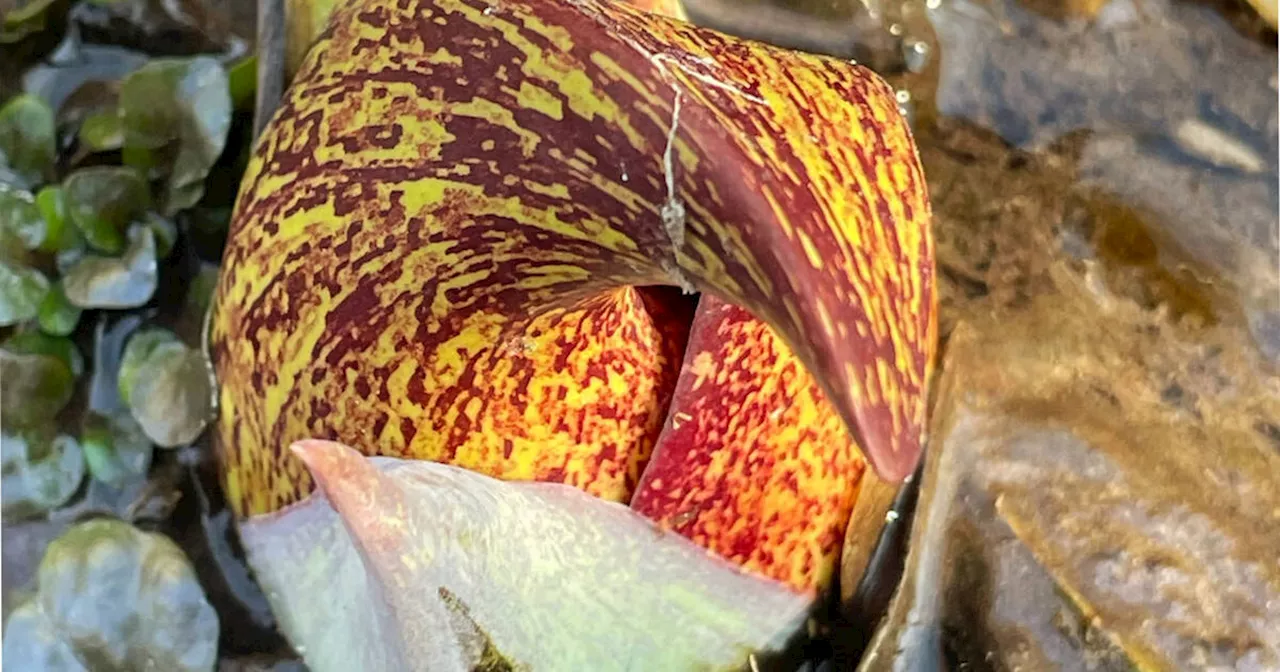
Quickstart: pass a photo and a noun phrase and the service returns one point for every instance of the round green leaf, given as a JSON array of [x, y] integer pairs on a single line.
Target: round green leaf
[[182, 101], [20, 216], [40, 471], [138, 352], [167, 387], [27, 136], [37, 343], [120, 599], [58, 316], [31, 644], [102, 201], [36, 387], [25, 18], [115, 448], [102, 131], [95, 281], [21, 291], [52, 203]]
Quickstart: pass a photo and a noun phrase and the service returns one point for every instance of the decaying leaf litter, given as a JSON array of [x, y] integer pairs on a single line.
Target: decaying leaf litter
[[1195, 296]]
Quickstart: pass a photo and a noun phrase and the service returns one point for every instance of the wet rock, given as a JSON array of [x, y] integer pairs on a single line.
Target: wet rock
[[1161, 107], [1072, 517], [1101, 486]]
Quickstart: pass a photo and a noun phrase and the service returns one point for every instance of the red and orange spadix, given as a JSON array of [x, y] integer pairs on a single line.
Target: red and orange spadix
[[446, 248]]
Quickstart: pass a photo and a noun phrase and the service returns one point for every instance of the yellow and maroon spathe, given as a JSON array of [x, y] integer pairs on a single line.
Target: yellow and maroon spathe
[[445, 244]]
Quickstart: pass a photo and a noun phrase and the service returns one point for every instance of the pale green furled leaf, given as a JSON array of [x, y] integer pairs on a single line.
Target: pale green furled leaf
[[414, 565]]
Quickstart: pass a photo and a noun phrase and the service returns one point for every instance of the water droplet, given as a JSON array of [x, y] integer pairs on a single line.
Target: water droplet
[[895, 29], [916, 54], [905, 106]]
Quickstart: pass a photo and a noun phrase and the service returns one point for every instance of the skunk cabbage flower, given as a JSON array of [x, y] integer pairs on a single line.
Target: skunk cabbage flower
[[449, 251]]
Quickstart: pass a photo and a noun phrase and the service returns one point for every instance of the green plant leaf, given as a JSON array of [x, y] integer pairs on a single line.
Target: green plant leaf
[[102, 131], [27, 135], [242, 81], [200, 291], [36, 387], [102, 201], [58, 80], [26, 18], [164, 230], [182, 101], [137, 352], [116, 598], [95, 281], [57, 316], [28, 641], [166, 386], [38, 343], [52, 203], [41, 471], [21, 291], [115, 448], [20, 216]]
